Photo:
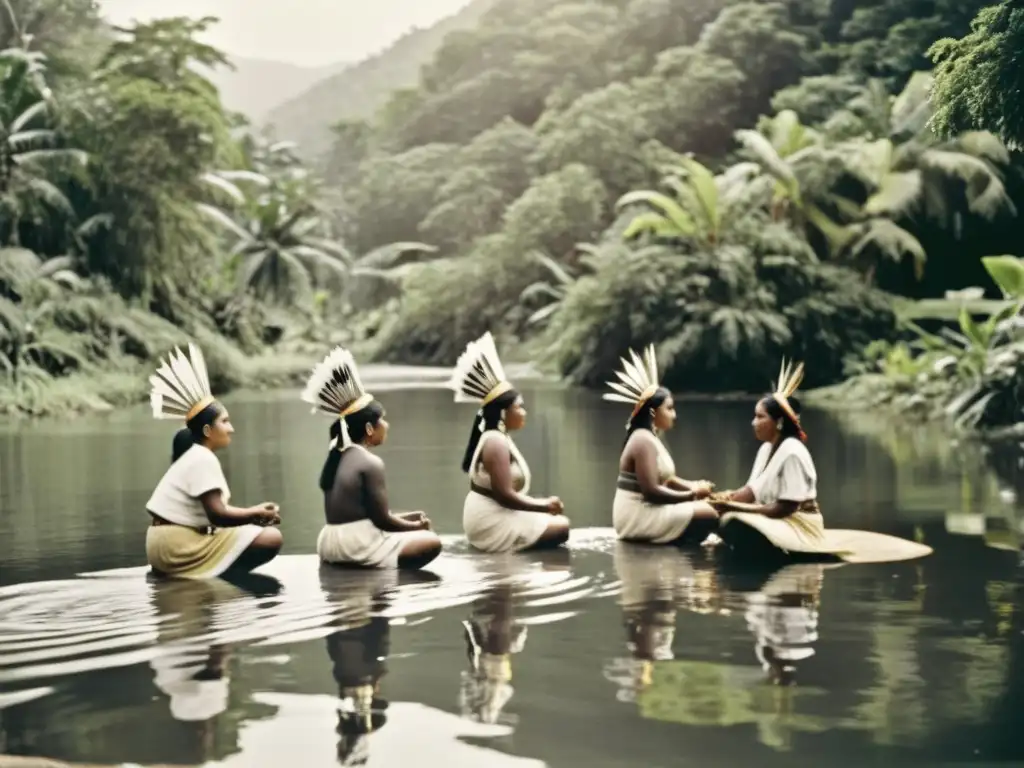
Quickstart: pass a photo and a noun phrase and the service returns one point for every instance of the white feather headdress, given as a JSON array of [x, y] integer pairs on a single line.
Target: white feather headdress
[[478, 375], [790, 377], [334, 388], [180, 388], [638, 380]]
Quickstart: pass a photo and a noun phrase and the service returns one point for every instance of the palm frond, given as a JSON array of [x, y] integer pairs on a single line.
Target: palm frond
[[395, 254], [891, 240], [896, 195], [27, 116], [678, 219]]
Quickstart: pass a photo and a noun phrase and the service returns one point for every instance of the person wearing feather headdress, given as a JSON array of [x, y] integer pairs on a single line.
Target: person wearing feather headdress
[[776, 514], [498, 515], [361, 530], [652, 504], [195, 533]]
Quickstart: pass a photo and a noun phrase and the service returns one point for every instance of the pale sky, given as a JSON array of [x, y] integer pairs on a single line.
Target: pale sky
[[307, 32]]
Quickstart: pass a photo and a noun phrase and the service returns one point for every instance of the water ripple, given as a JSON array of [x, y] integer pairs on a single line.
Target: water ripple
[[123, 617]]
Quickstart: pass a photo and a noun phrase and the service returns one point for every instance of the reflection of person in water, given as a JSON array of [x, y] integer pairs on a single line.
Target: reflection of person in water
[[492, 636], [654, 580], [783, 616], [358, 650], [192, 672]]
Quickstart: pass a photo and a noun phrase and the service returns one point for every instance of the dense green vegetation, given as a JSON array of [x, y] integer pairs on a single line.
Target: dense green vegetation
[[979, 77], [731, 180], [134, 211], [970, 374]]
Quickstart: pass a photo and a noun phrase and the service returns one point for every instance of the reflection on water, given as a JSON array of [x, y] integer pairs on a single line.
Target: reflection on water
[[783, 617], [493, 632], [358, 650], [605, 654]]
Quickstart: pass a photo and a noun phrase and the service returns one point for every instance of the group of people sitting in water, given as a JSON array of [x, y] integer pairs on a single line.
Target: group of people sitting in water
[[196, 533]]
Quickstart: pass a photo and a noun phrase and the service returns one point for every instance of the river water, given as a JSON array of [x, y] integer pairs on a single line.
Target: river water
[[602, 655]]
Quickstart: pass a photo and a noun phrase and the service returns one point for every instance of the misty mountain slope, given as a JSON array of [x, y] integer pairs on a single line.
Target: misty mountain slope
[[256, 86], [358, 91]]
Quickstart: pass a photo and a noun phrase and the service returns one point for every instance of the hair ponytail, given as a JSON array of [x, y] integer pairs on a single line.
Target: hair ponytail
[[330, 468], [355, 425], [487, 418]]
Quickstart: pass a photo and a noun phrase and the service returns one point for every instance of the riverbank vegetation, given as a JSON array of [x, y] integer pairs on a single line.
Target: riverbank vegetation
[[732, 181], [136, 213]]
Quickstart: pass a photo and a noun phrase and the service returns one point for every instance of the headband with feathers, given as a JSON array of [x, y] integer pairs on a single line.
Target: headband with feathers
[[334, 388], [790, 377], [639, 381], [180, 388], [478, 375]]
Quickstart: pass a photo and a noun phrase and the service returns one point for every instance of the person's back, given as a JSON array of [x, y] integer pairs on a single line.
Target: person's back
[[347, 500]]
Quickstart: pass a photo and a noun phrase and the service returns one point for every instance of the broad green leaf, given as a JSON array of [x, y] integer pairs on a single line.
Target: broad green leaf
[[1008, 273]]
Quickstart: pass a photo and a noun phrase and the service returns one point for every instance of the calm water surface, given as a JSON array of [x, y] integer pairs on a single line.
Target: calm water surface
[[602, 655]]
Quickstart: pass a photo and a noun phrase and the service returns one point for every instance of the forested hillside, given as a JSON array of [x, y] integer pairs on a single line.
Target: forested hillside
[[731, 180], [358, 91]]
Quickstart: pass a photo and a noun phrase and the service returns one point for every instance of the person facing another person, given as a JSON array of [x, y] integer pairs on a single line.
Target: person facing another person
[[361, 529], [195, 533], [498, 515], [652, 504], [776, 513]]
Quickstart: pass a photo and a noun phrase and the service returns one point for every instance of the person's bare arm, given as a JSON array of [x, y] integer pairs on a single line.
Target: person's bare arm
[[744, 495], [498, 462], [376, 500], [645, 467], [224, 515], [743, 500], [699, 488], [776, 509]]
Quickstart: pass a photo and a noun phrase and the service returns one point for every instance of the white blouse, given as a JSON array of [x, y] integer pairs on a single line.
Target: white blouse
[[789, 476], [176, 497]]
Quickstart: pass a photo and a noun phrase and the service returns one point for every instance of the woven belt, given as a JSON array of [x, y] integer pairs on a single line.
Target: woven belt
[[627, 481], [205, 530]]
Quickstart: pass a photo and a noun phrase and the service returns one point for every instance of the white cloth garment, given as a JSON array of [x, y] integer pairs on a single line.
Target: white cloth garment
[[491, 527], [636, 519], [176, 496], [789, 476], [363, 543]]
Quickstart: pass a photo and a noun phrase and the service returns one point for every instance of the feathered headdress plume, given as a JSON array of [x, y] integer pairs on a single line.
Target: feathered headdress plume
[[639, 381], [790, 377], [478, 375], [334, 388], [180, 388]]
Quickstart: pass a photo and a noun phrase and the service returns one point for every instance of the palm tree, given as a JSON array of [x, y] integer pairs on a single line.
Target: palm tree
[[281, 243], [29, 152], [905, 169], [786, 150], [703, 209], [720, 238]]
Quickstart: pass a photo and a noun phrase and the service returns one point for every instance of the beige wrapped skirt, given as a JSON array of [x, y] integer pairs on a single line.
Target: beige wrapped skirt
[[364, 544], [491, 527], [635, 519], [805, 533], [174, 550]]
